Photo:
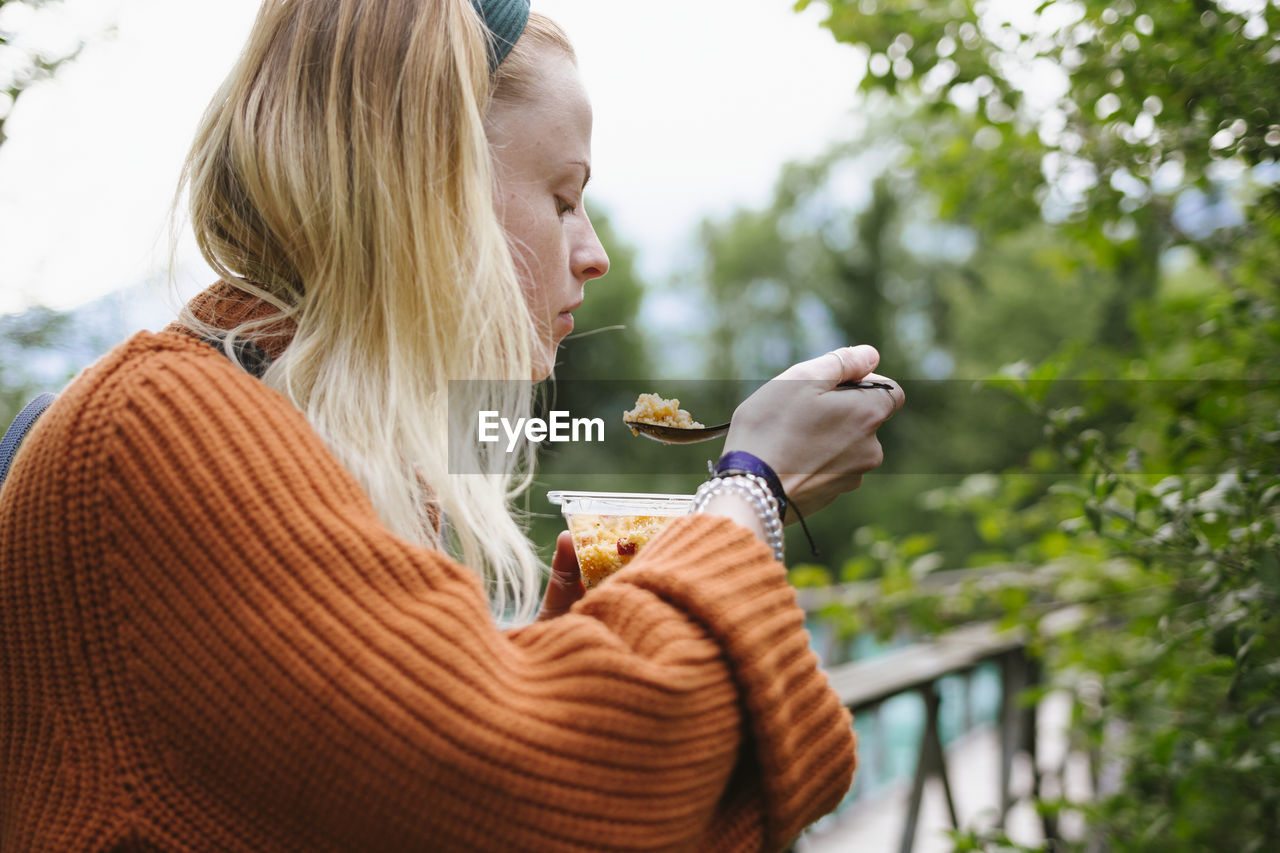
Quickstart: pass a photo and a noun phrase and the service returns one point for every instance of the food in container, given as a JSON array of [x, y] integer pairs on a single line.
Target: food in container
[[610, 528]]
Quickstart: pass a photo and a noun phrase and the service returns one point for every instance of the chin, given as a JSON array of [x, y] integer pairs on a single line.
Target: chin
[[543, 363]]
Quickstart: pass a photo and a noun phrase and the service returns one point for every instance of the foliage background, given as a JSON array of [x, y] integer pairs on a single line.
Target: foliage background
[[1114, 166]]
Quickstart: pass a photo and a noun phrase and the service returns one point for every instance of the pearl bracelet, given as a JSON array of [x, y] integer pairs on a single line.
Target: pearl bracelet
[[756, 492]]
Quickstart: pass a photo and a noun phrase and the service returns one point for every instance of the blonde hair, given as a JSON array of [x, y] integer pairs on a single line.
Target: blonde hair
[[342, 175]]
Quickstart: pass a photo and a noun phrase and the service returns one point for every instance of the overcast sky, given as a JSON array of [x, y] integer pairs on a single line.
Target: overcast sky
[[697, 104]]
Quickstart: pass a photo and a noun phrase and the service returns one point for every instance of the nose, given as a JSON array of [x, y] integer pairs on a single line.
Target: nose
[[589, 259]]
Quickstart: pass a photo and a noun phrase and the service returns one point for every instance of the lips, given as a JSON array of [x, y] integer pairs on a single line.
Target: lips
[[564, 320]]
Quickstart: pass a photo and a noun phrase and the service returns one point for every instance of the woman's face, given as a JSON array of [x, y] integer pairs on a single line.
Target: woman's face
[[542, 158]]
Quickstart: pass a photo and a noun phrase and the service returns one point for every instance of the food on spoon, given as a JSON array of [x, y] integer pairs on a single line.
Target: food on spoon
[[606, 543], [652, 409]]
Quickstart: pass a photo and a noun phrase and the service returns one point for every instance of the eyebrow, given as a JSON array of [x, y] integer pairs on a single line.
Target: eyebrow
[[586, 169]]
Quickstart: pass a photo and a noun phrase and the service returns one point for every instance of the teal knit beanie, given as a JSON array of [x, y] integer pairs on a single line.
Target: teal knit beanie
[[505, 20]]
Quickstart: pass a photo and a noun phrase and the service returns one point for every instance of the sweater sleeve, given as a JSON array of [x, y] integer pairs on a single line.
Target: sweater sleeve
[[304, 678]]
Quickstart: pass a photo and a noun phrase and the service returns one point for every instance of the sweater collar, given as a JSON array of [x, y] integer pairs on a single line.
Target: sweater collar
[[225, 306]]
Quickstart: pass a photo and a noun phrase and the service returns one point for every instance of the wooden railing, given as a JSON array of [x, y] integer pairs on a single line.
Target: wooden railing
[[864, 686]]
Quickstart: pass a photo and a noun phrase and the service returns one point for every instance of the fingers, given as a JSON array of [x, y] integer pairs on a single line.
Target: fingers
[[855, 362], [565, 585], [849, 365], [846, 364], [896, 397]]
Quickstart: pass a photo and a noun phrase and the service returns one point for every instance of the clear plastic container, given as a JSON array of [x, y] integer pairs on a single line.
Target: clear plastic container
[[610, 528]]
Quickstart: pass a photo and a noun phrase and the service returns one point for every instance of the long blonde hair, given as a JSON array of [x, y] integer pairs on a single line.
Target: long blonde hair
[[342, 175]]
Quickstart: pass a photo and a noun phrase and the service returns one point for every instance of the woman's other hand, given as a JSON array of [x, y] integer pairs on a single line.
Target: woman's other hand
[[565, 585], [819, 439]]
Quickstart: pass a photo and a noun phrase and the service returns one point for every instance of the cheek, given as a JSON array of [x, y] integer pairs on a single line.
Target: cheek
[[521, 230], [531, 271], [537, 247]]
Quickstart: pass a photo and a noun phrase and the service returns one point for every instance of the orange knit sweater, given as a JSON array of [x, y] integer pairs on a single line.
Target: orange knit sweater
[[208, 641]]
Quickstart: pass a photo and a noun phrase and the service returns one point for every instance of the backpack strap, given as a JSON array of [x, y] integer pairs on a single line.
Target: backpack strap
[[18, 430]]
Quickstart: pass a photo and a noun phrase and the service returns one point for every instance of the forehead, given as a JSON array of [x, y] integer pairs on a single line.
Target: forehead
[[552, 116]]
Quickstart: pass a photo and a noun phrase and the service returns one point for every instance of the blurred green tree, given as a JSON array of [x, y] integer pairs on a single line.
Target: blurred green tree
[[1130, 148], [1133, 126]]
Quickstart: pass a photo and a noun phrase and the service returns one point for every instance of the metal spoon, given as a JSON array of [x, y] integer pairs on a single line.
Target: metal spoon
[[682, 435]]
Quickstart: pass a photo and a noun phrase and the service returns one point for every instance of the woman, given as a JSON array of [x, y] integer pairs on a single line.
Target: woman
[[231, 621]]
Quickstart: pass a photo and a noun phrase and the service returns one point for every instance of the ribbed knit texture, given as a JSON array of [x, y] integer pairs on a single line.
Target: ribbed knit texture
[[209, 642]]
